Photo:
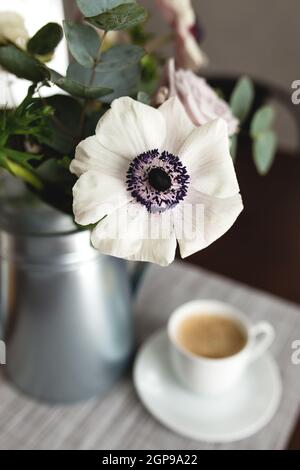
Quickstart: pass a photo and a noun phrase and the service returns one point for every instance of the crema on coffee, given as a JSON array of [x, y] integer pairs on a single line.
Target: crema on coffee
[[211, 336]]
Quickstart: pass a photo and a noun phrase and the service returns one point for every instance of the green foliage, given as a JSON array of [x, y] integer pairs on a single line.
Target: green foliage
[[143, 97], [20, 171], [95, 7], [22, 65], [150, 75], [57, 183], [28, 119], [45, 40], [79, 89], [23, 158], [262, 121], [91, 119], [53, 126], [121, 17], [242, 98], [233, 146], [264, 139], [123, 84], [139, 36], [264, 150], [116, 74], [83, 42], [64, 134], [55, 171], [119, 57]]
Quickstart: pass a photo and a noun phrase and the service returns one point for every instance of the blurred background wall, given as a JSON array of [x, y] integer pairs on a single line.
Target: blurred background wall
[[259, 37]]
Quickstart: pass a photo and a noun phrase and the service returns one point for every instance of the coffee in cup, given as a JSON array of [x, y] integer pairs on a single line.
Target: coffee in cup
[[212, 336], [212, 344]]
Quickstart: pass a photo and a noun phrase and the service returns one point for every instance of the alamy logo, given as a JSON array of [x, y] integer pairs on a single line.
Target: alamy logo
[[296, 93], [296, 354], [2, 353]]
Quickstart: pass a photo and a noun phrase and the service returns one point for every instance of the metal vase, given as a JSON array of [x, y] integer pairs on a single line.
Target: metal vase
[[66, 315]]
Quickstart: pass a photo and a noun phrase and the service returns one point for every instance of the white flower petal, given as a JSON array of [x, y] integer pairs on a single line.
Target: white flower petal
[[202, 219], [91, 155], [179, 125], [207, 157], [159, 243], [189, 55], [125, 234], [96, 195], [201, 102], [130, 128], [161, 252]]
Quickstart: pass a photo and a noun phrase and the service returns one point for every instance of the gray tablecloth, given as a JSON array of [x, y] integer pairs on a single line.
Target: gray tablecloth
[[118, 420]]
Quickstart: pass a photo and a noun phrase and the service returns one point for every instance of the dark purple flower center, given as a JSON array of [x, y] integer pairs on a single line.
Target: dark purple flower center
[[157, 180]]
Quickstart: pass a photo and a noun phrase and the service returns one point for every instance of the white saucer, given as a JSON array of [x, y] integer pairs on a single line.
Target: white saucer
[[233, 416]]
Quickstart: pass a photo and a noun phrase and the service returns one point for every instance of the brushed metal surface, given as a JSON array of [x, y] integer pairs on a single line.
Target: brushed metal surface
[[66, 315]]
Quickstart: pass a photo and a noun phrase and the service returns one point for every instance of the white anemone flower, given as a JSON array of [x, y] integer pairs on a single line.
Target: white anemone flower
[[12, 29], [148, 168]]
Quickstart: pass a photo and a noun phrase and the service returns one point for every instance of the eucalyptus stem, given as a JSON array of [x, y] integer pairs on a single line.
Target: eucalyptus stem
[[91, 81], [157, 43]]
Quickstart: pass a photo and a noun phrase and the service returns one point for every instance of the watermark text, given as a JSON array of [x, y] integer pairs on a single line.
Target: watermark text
[[2, 353], [296, 92], [296, 354]]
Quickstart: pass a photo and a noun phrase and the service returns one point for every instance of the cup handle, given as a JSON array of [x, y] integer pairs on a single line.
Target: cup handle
[[262, 335]]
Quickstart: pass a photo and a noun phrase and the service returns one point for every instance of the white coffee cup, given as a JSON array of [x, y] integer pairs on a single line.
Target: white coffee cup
[[214, 376]]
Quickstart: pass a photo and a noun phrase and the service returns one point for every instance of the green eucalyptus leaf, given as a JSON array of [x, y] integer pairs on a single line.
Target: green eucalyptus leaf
[[262, 121], [123, 84], [233, 146], [45, 40], [264, 150], [22, 65], [120, 57], [143, 97], [242, 98], [83, 42], [80, 90], [94, 7], [58, 183], [121, 17], [65, 123]]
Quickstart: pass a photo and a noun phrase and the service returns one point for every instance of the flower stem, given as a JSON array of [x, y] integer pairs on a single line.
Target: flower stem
[[157, 43], [91, 81]]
